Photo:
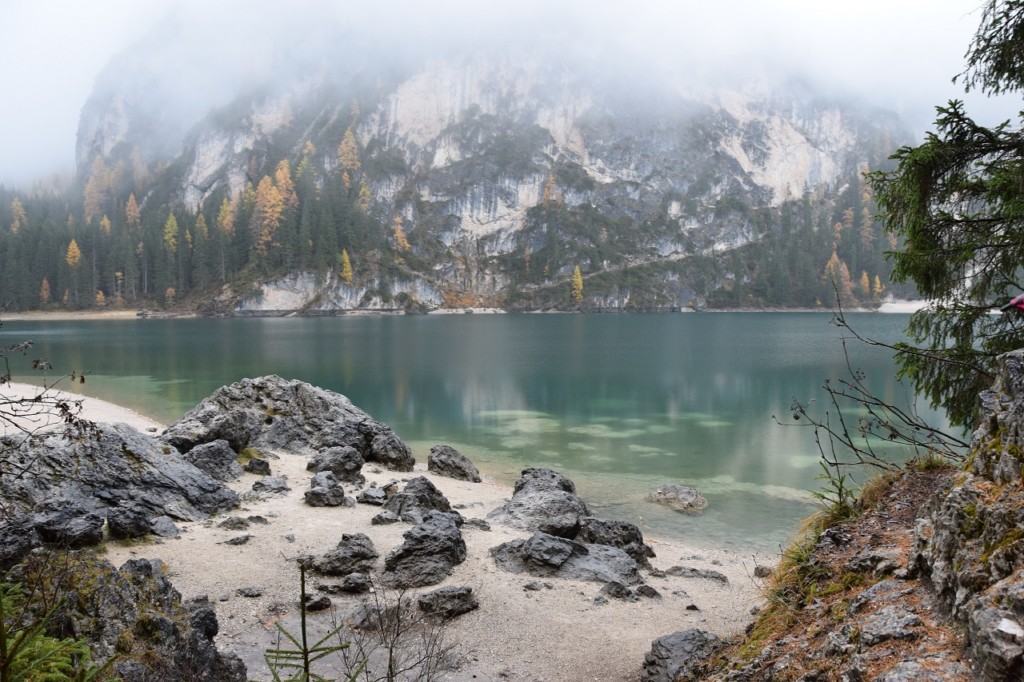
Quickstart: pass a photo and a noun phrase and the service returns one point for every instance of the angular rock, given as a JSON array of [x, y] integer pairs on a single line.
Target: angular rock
[[543, 500], [429, 554], [444, 460], [258, 466], [681, 498], [374, 496], [66, 523], [17, 540], [448, 602], [115, 467], [385, 518], [271, 485], [354, 553], [325, 497], [325, 491], [690, 572], [316, 603], [128, 520], [622, 534], [678, 655], [889, 622], [344, 462], [417, 498], [617, 590], [546, 555], [217, 459], [353, 583], [273, 413], [164, 527]]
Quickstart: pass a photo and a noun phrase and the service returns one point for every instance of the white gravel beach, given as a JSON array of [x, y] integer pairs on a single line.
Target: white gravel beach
[[556, 633]]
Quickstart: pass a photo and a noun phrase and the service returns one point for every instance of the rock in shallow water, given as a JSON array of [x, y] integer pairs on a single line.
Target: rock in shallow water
[[681, 498]]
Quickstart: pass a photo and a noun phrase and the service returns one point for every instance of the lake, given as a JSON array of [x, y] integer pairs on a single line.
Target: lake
[[619, 403]]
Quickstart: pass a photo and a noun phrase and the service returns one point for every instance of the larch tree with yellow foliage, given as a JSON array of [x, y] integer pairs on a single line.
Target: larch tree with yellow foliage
[[577, 285], [346, 267], [73, 257]]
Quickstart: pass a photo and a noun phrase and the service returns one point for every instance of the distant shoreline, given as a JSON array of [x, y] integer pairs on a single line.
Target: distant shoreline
[[89, 315]]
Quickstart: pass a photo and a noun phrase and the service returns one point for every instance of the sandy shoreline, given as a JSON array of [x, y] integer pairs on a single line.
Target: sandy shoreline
[[556, 633]]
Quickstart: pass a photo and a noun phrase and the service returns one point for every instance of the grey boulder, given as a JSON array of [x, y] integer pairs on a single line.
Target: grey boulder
[[444, 460]]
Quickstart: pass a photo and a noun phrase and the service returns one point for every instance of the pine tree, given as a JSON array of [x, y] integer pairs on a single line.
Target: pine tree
[[101, 300], [577, 285], [364, 196], [44, 293]]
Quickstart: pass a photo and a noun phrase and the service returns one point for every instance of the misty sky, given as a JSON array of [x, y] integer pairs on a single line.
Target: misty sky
[[897, 54]]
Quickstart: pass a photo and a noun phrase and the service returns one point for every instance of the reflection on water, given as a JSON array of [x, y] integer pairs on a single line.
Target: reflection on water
[[620, 403]]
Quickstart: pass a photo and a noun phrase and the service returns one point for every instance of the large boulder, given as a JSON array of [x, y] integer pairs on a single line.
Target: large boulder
[[429, 554], [417, 498], [543, 500], [274, 413], [444, 460], [115, 470], [546, 555]]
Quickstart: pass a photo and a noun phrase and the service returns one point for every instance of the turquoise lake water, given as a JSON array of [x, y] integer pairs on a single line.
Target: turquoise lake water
[[619, 403]]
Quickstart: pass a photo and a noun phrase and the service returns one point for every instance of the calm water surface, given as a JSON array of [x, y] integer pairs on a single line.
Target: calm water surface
[[620, 403]]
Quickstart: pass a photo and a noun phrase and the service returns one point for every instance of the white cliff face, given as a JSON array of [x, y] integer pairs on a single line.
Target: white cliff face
[[301, 292]]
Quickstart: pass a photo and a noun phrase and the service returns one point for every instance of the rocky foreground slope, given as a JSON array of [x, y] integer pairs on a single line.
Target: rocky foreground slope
[[926, 584]]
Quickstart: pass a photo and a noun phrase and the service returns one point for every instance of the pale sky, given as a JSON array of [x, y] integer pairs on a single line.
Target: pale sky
[[896, 54]]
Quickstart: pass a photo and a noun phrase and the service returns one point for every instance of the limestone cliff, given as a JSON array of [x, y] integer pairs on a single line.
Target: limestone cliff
[[505, 167]]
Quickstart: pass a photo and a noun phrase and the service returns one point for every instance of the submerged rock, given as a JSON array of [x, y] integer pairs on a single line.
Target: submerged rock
[[681, 498]]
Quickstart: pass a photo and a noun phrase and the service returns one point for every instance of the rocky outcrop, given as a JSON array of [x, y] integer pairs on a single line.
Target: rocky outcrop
[[217, 459], [970, 542], [345, 463], [274, 413], [113, 473], [444, 460], [133, 613]]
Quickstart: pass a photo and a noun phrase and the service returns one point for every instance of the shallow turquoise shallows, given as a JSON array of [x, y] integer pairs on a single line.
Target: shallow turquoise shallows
[[619, 403]]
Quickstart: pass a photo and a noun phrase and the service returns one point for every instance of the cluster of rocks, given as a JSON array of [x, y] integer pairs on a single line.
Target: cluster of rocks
[[71, 492], [131, 485]]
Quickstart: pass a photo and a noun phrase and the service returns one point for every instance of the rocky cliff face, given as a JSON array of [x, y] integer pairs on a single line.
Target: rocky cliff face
[[487, 155], [970, 541]]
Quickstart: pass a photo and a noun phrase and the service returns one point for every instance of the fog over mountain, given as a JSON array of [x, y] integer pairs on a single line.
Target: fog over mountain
[[899, 56]]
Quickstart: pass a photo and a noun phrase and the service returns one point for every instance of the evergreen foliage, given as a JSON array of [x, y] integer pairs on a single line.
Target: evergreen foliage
[[957, 203]]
